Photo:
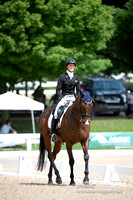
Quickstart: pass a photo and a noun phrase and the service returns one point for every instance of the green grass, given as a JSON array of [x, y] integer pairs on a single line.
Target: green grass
[[100, 125], [24, 126], [78, 147], [112, 125]]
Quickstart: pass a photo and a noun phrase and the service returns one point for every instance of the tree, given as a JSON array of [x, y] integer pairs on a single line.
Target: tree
[[119, 49], [17, 47], [38, 36], [83, 27]]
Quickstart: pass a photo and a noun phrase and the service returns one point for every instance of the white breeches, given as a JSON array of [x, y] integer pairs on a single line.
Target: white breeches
[[62, 102]]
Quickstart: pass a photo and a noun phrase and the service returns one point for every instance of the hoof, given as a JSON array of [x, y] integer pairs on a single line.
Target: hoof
[[72, 183], [50, 183], [86, 182], [58, 181]]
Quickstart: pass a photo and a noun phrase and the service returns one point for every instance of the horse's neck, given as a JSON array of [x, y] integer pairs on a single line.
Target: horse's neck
[[75, 105]]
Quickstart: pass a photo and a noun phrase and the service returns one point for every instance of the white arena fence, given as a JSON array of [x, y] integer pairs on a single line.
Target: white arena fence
[[26, 166], [7, 140]]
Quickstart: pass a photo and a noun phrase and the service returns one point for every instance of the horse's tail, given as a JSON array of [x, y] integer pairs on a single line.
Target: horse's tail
[[41, 158]]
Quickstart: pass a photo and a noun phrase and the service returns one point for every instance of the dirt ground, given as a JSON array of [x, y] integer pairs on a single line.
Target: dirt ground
[[35, 187]]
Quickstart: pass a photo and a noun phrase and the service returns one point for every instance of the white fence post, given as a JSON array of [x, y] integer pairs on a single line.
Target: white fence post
[[64, 169], [24, 165], [109, 174], [28, 144]]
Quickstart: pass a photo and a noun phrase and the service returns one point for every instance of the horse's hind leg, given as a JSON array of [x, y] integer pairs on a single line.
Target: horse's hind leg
[[86, 158], [50, 182], [52, 157], [58, 178]]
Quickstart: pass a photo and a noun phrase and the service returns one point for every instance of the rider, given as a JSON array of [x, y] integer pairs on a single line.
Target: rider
[[65, 89]]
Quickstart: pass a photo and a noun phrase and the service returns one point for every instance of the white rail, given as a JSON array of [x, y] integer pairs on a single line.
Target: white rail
[[7, 140]]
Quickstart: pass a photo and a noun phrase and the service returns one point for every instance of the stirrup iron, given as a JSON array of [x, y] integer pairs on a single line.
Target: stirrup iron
[[54, 138]]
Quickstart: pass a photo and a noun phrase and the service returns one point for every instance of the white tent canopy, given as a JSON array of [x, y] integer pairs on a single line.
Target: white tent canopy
[[12, 101]]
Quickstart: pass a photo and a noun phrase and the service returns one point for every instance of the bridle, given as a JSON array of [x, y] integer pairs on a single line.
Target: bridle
[[80, 115]]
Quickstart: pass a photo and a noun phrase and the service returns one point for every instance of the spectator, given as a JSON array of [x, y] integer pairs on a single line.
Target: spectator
[[54, 99], [6, 128], [17, 91], [130, 104], [40, 97], [124, 78]]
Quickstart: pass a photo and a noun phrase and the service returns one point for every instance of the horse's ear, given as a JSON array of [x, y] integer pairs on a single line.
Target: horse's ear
[[82, 93]]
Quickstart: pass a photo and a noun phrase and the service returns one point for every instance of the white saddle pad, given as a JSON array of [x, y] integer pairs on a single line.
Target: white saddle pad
[[60, 120]]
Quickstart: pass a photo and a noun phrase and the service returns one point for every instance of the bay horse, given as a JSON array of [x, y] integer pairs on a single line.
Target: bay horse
[[75, 128]]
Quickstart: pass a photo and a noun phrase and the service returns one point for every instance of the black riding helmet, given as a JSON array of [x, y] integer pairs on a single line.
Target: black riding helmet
[[71, 61]]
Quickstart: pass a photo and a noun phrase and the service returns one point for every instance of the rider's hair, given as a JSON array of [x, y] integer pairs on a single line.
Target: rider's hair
[[7, 121]]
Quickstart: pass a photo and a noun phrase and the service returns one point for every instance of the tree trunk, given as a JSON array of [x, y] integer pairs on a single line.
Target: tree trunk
[[5, 114], [26, 88]]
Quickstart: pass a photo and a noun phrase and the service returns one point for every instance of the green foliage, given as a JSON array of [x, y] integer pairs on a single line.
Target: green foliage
[[120, 47], [38, 36], [99, 65]]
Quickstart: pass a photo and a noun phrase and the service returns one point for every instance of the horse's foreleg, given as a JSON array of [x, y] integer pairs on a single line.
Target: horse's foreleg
[[71, 163], [86, 159]]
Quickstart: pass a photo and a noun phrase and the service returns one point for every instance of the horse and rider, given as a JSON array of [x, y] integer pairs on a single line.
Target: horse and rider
[[75, 124]]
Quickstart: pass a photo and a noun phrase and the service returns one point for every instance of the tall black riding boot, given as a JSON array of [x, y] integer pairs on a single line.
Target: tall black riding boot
[[53, 128]]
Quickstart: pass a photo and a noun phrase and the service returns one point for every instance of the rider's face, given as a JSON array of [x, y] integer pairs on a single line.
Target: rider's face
[[71, 67]]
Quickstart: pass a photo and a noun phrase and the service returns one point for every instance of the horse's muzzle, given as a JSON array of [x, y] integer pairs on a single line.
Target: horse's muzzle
[[87, 122]]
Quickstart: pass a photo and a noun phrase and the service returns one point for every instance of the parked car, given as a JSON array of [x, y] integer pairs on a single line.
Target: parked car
[[109, 94]]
